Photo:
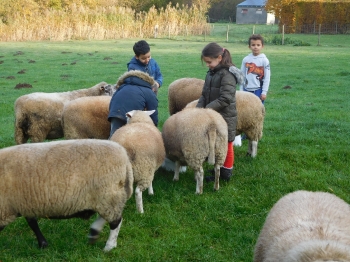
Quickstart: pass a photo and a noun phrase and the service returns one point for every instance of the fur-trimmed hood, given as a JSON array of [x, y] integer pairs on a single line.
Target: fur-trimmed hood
[[238, 74], [135, 73]]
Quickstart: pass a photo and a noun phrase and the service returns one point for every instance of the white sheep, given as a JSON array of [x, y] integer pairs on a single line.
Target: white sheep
[[86, 117], [144, 145], [250, 118], [63, 179], [193, 136], [38, 115], [305, 226]]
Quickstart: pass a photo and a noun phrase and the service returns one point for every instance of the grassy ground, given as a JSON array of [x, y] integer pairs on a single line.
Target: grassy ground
[[305, 146]]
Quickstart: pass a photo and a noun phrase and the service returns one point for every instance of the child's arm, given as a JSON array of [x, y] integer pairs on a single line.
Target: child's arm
[[267, 74]]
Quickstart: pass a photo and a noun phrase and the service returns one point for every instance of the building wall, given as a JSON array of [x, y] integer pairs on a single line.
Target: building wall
[[253, 15]]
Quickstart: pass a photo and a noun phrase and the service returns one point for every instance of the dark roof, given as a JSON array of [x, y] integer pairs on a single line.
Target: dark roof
[[252, 3]]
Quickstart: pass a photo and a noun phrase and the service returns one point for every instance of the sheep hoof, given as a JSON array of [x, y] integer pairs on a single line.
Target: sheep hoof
[[43, 244]]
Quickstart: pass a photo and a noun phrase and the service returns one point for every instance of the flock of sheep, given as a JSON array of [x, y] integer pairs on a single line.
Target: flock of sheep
[[86, 173]]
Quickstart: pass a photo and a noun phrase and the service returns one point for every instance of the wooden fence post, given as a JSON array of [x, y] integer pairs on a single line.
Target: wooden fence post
[[228, 28], [319, 33]]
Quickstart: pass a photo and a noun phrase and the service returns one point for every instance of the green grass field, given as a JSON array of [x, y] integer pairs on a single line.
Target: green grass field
[[305, 146]]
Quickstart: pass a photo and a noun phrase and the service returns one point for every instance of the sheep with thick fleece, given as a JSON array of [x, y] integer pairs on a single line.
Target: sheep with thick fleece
[[63, 179], [250, 118], [38, 115], [144, 144], [86, 117], [305, 226], [193, 136], [250, 110]]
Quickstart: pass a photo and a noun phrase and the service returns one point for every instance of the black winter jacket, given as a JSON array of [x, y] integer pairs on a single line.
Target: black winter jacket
[[219, 93]]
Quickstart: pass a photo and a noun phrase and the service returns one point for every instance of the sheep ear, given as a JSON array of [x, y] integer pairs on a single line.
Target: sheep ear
[[130, 114], [150, 112]]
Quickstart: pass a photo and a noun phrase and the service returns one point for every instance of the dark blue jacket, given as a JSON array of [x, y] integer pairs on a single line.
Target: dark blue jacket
[[134, 93], [151, 68]]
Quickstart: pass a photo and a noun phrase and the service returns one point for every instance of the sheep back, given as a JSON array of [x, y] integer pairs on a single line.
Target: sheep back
[[38, 115], [250, 114], [306, 226], [144, 145], [186, 137], [61, 178], [86, 117], [182, 91]]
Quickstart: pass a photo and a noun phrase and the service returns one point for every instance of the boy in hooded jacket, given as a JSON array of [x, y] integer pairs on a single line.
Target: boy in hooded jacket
[[143, 61]]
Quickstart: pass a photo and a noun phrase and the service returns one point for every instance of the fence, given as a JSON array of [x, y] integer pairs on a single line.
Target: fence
[[240, 33]]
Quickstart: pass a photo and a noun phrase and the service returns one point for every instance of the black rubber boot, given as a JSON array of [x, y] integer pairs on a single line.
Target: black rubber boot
[[225, 175]]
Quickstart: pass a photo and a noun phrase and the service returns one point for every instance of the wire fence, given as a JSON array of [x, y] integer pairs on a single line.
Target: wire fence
[[240, 33]]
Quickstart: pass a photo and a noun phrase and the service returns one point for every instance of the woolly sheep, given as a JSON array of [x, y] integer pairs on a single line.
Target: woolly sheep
[[305, 226], [193, 136], [144, 145], [63, 179], [86, 117], [38, 115], [250, 118]]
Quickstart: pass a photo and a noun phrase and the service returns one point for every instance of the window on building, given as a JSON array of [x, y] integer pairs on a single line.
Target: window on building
[[244, 11], [258, 11]]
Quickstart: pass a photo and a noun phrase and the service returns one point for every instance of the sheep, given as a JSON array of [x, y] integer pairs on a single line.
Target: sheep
[[63, 179], [86, 117], [250, 119], [38, 115], [144, 145], [305, 226], [193, 136]]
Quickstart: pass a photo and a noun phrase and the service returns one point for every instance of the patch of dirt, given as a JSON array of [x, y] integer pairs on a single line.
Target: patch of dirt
[[64, 64], [107, 58], [114, 63], [73, 63], [24, 85], [65, 52], [23, 71], [31, 61], [10, 77], [18, 53], [1, 62], [287, 87]]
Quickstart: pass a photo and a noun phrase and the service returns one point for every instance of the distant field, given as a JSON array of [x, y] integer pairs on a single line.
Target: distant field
[[305, 146]]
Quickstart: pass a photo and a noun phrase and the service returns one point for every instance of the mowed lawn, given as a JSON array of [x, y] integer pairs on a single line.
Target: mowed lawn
[[305, 145]]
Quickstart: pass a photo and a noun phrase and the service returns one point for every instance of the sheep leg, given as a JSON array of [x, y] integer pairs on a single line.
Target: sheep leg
[[253, 148], [138, 197], [150, 190], [217, 177], [95, 229], [199, 178], [177, 171], [33, 224], [113, 235]]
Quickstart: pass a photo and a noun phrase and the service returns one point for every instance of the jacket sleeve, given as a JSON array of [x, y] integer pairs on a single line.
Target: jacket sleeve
[[158, 74], [152, 104], [227, 92]]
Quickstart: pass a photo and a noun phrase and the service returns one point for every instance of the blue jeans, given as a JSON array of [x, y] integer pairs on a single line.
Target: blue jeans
[[256, 92]]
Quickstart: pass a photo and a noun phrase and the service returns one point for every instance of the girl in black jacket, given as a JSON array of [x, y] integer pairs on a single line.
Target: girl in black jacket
[[219, 94]]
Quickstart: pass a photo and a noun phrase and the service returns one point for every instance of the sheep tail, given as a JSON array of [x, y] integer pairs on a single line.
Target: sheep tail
[[212, 139], [129, 181]]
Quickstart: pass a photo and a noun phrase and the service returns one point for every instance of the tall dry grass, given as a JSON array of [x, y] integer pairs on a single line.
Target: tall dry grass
[[78, 22]]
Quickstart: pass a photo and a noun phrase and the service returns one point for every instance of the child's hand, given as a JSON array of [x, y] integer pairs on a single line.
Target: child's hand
[[155, 87], [262, 97]]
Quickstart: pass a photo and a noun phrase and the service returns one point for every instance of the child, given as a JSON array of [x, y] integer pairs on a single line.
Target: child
[[256, 69], [142, 61], [219, 94], [134, 93]]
